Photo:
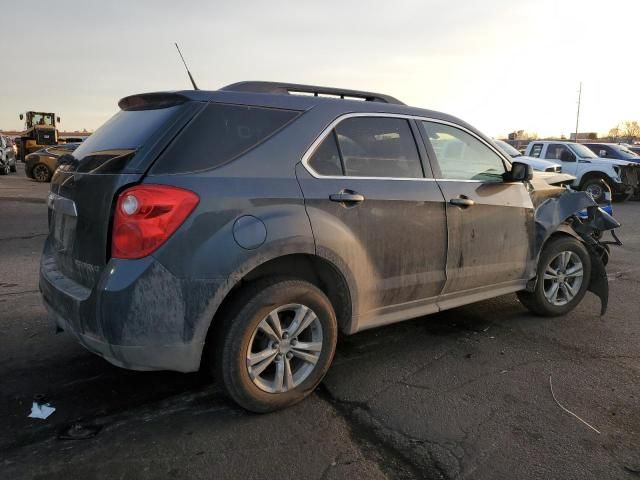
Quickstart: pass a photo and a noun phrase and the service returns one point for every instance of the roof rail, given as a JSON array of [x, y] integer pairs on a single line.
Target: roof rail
[[278, 88]]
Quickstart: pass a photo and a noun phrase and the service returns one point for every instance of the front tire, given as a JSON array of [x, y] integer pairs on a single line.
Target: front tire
[[564, 273], [596, 187], [276, 344]]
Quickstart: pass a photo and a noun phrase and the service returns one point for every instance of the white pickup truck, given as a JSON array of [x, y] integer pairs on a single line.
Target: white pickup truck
[[589, 169]]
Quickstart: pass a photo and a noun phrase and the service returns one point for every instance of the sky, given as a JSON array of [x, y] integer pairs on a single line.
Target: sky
[[501, 65]]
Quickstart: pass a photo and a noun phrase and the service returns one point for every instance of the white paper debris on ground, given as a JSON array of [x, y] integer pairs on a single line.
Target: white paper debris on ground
[[41, 411]]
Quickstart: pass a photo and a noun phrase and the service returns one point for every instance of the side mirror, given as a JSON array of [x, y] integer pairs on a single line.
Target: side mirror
[[21, 117], [602, 153], [520, 172], [567, 156], [58, 119]]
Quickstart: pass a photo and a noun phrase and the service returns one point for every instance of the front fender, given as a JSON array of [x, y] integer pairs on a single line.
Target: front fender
[[559, 215]]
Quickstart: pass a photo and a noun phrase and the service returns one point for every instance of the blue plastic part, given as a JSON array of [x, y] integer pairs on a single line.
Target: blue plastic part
[[607, 208]]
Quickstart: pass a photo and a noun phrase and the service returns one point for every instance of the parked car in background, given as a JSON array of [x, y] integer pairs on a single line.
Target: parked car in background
[[621, 176], [240, 229], [41, 164], [72, 139], [634, 148], [613, 151], [536, 163], [13, 145], [7, 156]]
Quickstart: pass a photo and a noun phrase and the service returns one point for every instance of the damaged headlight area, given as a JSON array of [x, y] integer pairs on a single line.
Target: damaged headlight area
[[566, 213]]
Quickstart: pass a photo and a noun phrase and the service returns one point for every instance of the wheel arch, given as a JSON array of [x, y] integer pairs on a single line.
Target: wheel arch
[[312, 268], [594, 175], [563, 230]]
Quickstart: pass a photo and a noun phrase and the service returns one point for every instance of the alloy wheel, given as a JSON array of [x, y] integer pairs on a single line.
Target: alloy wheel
[[595, 190], [284, 348], [563, 278], [41, 173]]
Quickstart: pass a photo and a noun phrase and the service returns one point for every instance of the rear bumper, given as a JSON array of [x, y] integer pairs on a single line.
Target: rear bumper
[[179, 357], [138, 316]]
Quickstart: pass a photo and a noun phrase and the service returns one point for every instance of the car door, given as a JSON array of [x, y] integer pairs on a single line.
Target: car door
[[557, 152], [490, 222], [4, 156], [375, 214]]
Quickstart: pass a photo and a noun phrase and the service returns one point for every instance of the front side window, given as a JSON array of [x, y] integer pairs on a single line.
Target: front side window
[[508, 149], [555, 152], [461, 156], [582, 151], [378, 147]]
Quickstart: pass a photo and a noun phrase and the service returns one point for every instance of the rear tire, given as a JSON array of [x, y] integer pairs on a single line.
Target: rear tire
[[13, 168], [263, 356], [4, 169], [567, 280], [41, 173]]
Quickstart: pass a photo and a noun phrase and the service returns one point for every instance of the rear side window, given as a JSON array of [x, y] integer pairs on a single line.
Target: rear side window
[[326, 159], [369, 147], [378, 147], [115, 142], [220, 134]]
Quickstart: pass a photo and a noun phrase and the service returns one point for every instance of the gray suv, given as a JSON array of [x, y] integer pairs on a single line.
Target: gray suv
[[241, 229]]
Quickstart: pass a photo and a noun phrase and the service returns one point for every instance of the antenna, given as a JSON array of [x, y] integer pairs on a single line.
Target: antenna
[[578, 114], [193, 82]]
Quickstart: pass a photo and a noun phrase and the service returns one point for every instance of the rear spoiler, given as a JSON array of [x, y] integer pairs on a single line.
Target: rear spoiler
[[151, 101]]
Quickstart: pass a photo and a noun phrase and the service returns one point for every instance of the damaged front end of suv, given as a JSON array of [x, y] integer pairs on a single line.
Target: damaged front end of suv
[[576, 214]]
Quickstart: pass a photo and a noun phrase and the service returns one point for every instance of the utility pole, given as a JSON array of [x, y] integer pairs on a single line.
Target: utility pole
[[578, 114]]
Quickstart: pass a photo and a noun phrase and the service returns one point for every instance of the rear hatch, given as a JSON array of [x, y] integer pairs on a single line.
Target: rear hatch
[[88, 180]]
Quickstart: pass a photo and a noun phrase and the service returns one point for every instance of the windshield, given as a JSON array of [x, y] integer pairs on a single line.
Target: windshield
[[42, 119], [582, 151], [508, 149], [626, 153]]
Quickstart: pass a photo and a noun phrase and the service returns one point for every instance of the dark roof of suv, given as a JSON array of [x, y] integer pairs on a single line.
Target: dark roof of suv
[[286, 95]]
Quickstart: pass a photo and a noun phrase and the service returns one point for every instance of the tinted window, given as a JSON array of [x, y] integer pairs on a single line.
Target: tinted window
[[462, 156], [113, 144], [554, 152], [378, 147], [219, 134], [125, 130], [326, 159], [536, 149]]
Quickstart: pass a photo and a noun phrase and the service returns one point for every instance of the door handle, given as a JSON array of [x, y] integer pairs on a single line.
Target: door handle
[[346, 196], [462, 202]]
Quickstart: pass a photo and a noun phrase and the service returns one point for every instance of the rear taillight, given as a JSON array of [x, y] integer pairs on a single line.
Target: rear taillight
[[146, 216]]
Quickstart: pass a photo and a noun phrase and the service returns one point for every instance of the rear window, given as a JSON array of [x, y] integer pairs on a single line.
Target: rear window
[[115, 142], [220, 134]]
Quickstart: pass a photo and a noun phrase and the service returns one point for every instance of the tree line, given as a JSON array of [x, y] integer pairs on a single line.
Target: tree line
[[628, 131]]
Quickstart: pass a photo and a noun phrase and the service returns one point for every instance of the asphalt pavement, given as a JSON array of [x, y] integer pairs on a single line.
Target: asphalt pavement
[[461, 394]]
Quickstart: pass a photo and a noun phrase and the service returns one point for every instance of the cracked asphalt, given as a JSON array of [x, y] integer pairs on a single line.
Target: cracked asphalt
[[461, 394]]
